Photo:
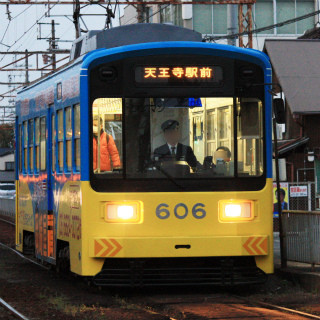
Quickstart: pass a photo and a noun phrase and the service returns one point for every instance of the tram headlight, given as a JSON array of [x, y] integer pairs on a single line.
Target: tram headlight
[[124, 211], [236, 210]]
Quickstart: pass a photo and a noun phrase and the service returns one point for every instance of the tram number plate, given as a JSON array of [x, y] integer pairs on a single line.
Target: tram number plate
[[181, 211]]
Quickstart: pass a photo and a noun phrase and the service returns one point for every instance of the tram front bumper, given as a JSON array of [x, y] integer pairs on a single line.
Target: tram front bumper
[[153, 247]]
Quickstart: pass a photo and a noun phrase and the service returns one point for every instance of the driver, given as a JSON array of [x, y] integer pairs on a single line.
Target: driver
[[172, 149]]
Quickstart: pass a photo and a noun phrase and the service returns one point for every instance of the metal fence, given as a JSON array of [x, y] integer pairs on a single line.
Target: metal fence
[[301, 232], [7, 208], [302, 203], [305, 203]]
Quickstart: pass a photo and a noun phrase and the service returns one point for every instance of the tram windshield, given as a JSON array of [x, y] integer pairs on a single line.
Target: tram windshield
[[181, 138]]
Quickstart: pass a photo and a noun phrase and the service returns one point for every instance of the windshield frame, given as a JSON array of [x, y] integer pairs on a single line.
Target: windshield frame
[[115, 182]]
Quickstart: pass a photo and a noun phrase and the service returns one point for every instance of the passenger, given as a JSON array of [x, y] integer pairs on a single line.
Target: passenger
[[172, 149], [226, 153], [108, 148]]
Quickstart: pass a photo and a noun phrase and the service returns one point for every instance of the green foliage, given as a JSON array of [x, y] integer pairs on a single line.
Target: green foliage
[[6, 136]]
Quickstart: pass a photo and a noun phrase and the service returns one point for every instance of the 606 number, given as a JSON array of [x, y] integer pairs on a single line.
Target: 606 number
[[180, 211]]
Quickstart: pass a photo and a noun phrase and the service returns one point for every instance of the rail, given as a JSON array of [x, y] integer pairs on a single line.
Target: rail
[[301, 231], [7, 208]]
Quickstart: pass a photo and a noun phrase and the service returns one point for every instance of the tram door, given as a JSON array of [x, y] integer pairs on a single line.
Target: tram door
[[44, 221], [50, 172]]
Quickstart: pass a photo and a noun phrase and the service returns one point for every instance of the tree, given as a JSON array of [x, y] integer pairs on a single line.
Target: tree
[[6, 136]]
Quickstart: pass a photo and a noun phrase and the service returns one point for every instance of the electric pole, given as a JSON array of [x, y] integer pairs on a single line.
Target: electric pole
[[140, 11], [53, 45], [76, 17], [27, 67]]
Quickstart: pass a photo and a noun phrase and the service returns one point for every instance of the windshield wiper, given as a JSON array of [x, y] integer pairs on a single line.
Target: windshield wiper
[[170, 177]]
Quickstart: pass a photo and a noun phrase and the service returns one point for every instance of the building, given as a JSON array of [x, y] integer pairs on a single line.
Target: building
[[296, 68], [7, 165], [213, 19]]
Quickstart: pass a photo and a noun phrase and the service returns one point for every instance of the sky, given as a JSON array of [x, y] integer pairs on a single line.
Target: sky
[[22, 31]]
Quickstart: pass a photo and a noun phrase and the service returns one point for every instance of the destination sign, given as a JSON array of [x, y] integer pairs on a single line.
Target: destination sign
[[179, 75]]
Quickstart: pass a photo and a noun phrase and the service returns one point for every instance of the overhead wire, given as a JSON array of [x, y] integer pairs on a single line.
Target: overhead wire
[[23, 11], [26, 32], [29, 29]]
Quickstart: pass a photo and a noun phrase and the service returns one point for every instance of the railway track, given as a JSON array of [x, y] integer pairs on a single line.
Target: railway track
[[176, 309], [12, 310], [22, 256], [7, 221], [283, 309]]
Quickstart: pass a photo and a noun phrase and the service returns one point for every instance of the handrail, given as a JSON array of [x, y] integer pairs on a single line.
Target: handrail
[[301, 211]]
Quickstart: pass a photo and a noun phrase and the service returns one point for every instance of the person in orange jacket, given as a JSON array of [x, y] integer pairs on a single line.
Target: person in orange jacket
[[108, 149]]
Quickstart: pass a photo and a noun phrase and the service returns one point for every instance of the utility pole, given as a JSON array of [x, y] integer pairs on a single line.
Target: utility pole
[[140, 11], [232, 18], [76, 17], [245, 25], [27, 67], [53, 45]]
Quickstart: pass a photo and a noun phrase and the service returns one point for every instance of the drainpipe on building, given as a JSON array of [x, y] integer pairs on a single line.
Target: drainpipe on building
[[232, 21]]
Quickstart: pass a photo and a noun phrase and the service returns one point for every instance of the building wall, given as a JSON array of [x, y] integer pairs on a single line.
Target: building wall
[[4, 159], [129, 16], [212, 19], [297, 159]]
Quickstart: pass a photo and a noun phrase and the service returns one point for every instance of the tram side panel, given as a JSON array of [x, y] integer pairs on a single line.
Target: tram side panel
[[36, 218]]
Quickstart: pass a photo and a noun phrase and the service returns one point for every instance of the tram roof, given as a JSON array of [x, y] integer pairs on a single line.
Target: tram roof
[[296, 65], [131, 34]]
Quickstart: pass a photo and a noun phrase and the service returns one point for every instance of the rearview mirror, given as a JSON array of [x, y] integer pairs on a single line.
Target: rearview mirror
[[279, 112]]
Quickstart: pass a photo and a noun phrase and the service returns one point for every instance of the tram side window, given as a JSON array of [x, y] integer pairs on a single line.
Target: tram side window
[[37, 143], [76, 121], [53, 126], [31, 145], [250, 137], [25, 146], [20, 148], [68, 138], [60, 140], [43, 143]]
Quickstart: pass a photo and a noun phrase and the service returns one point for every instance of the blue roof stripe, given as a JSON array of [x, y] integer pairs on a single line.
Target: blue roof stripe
[[93, 58]]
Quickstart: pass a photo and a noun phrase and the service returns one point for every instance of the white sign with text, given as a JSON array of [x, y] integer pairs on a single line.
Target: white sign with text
[[298, 191]]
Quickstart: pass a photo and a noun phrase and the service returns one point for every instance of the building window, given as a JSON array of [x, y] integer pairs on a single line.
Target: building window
[[268, 12], [212, 19], [149, 15], [9, 165], [171, 14], [263, 15]]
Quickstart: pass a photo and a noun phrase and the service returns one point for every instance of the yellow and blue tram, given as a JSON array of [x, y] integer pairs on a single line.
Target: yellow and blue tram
[[148, 218]]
